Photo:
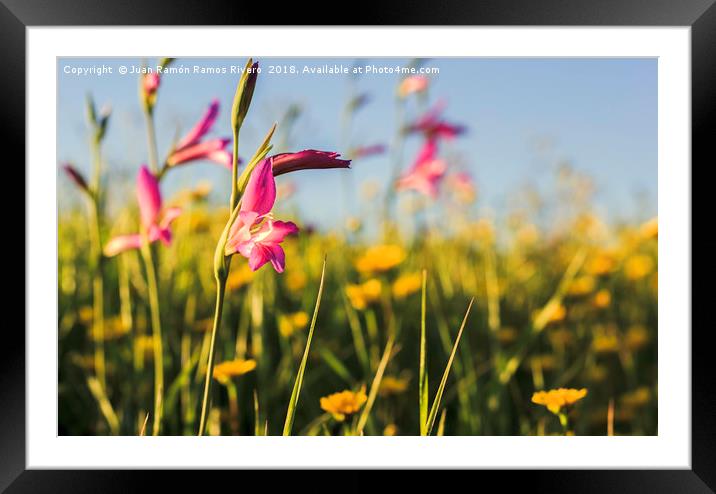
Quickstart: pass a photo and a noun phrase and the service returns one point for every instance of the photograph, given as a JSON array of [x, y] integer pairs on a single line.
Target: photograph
[[446, 246]]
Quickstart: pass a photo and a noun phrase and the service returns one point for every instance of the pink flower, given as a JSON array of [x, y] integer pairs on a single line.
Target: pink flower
[[150, 83], [412, 84], [255, 234], [367, 151], [307, 159], [154, 224], [191, 148], [426, 173], [432, 126]]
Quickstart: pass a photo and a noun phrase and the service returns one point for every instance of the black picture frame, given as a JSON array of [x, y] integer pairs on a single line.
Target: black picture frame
[[700, 15]]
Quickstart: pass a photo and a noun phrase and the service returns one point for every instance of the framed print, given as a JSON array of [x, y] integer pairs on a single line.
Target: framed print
[[429, 240]]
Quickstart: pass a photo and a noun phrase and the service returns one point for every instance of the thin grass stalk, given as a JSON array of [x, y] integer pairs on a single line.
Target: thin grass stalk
[[443, 382], [104, 405], [218, 309], [157, 345], [293, 403], [423, 372], [151, 141], [97, 265], [375, 386], [441, 423]]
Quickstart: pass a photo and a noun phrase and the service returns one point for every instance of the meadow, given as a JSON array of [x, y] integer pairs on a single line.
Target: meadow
[[178, 315]]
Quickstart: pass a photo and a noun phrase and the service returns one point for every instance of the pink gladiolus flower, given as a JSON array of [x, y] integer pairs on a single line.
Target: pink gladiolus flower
[[150, 83], [191, 148], [367, 151], [426, 173], [412, 84], [307, 159], [255, 234], [154, 224], [432, 126]]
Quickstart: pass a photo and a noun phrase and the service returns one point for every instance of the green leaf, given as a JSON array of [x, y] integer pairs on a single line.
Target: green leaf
[[423, 376], [293, 403], [441, 388]]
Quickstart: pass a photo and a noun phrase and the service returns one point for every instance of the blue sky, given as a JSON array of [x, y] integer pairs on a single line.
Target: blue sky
[[523, 117]]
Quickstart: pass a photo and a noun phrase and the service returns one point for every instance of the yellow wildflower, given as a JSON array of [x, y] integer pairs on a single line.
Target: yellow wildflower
[[637, 398], [224, 371], [239, 276], [556, 314], [144, 344], [290, 323], [636, 337], [582, 285], [527, 234], [339, 405], [407, 284], [295, 281], [605, 340], [602, 299], [650, 229], [390, 430], [638, 266], [555, 399], [365, 293], [380, 258], [601, 264], [85, 314], [545, 362], [114, 329], [390, 385]]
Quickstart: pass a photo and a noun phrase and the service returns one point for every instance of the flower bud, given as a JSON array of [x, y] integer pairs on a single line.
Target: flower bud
[[244, 93]]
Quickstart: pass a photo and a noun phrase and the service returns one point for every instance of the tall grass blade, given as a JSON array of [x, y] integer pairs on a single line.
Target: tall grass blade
[[104, 405], [441, 424], [441, 388], [293, 403], [375, 386], [423, 376]]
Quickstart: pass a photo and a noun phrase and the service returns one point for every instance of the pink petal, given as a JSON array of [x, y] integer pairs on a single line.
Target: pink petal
[[306, 160], [260, 255], [240, 233], [274, 231], [260, 193], [198, 151], [148, 197], [121, 243], [202, 127], [278, 258], [151, 83], [169, 215], [426, 153], [222, 157]]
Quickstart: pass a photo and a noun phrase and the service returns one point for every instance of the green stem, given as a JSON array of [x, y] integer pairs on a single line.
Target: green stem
[[153, 290], [152, 142], [235, 172], [395, 171], [96, 264], [220, 291]]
